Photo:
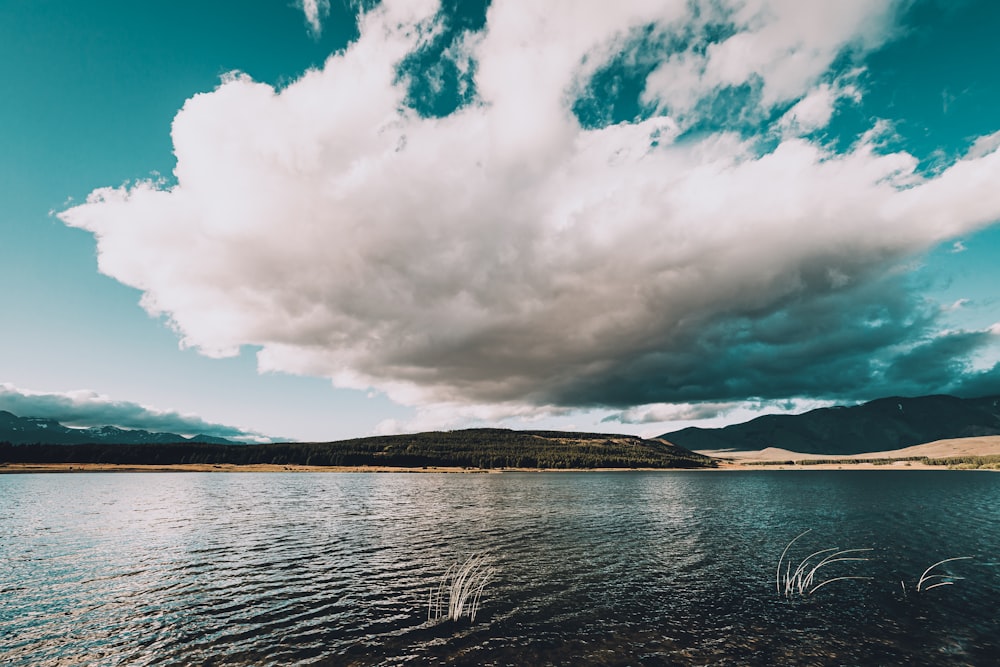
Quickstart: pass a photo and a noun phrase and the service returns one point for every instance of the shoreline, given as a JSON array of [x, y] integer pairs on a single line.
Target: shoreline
[[14, 468], [724, 466], [781, 465]]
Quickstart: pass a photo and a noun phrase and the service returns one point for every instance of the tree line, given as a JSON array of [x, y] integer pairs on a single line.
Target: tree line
[[473, 448]]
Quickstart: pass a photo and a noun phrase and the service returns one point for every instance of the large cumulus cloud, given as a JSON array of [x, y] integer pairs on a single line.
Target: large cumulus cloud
[[507, 255]]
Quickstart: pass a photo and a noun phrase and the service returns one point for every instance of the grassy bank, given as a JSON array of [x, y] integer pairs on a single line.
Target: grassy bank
[[989, 462]]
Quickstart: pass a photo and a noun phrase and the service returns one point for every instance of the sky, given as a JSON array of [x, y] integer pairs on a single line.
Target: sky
[[325, 219]]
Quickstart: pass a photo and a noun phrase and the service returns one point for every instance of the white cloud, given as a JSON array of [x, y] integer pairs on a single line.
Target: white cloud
[[501, 257], [447, 416], [814, 111], [85, 408], [315, 11], [957, 304], [675, 416], [672, 412], [983, 146], [782, 47]]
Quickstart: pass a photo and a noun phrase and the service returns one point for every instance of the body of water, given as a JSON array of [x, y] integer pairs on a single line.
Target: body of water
[[627, 568]]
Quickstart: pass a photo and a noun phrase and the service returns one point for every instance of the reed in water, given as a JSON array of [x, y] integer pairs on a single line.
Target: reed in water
[[460, 590], [802, 580]]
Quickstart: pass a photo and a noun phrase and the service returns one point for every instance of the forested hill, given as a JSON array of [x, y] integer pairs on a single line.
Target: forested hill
[[881, 425], [477, 448]]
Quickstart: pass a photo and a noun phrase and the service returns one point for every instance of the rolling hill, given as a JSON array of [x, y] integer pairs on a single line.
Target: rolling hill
[[473, 448]]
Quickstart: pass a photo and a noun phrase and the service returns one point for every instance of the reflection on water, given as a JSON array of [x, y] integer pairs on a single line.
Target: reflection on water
[[594, 568]]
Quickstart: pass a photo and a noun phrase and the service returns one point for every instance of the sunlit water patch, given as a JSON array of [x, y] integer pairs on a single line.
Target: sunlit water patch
[[590, 569]]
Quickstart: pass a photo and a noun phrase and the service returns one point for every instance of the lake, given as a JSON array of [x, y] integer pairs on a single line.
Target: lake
[[619, 568]]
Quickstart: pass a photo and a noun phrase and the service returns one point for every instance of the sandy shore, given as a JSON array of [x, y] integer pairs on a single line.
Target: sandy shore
[[228, 467], [778, 465], [207, 467], [773, 458], [70, 468]]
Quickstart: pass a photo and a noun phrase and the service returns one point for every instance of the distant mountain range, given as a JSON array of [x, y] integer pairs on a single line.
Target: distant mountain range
[[30, 430], [880, 425]]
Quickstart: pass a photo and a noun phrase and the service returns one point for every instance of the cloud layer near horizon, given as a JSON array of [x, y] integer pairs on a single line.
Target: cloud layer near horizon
[[508, 254], [86, 408]]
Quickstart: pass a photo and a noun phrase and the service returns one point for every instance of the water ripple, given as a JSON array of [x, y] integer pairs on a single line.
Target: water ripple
[[596, 569]]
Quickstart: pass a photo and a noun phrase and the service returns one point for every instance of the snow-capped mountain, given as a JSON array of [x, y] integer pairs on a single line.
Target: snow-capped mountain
[[31, 430]]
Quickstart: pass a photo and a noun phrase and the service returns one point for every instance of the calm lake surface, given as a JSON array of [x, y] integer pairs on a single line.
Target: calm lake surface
[[623, 568]]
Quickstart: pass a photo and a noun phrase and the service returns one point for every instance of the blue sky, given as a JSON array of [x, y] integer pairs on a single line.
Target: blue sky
[[400, 216]]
